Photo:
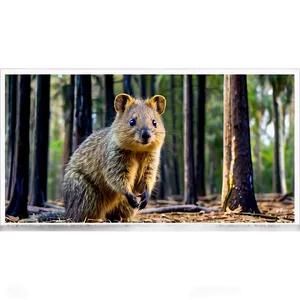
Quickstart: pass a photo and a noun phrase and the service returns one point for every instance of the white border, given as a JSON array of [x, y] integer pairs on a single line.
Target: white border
[[145, 226]]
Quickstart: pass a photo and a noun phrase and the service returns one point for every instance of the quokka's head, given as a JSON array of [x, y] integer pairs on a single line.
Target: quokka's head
[[138, 125]]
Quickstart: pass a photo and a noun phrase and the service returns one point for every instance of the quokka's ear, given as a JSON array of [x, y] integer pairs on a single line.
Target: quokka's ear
[[159, 103], [122, 101]]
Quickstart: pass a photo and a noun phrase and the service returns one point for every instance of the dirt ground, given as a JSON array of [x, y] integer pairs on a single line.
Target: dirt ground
[[273, 210], [274, 213]]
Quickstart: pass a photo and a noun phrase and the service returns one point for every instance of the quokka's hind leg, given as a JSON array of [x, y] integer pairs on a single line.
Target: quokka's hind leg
[[122, 211], [81, 199]]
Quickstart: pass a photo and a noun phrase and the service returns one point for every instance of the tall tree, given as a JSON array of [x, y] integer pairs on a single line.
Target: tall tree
[[19, 191], [227, 138], [143, 86], [68, 95], [162, 183], [289, 143], [109, 99], [190, 193], [200, 173], [152, 84], [278, 83], [174, 139], [12, 100], [40, 172], [83, 109], [238, 179], [127, 86]]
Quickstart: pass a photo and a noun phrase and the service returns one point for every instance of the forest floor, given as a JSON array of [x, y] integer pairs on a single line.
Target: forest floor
[[274, 208], [271, 212]]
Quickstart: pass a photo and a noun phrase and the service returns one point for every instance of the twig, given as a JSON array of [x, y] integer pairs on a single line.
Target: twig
[[285, 196], [38, 209], [180, 208], [49, 205], [265, 216]]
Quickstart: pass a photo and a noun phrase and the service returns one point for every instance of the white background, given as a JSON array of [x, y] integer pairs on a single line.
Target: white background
[[15, 289], [213, 289]]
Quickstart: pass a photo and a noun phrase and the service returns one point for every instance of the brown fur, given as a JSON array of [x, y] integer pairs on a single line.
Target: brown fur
[[113, 161]]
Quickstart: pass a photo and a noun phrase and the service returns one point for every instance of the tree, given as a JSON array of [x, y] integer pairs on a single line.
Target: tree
[[12, 100], [278, 83], [68, 95], [238, 189], [190, 193], [200, 173], [127, 85], [162, 182], [40, 172], [174, 139], [109, 99], [152, 85], [19, 191], [83, 109], [143, 86]]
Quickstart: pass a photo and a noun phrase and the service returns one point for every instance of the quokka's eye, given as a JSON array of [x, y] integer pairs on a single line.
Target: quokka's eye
[[132, 122], [154, 123]]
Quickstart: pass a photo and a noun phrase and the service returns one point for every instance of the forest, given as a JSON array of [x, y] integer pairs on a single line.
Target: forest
[[228, 154]]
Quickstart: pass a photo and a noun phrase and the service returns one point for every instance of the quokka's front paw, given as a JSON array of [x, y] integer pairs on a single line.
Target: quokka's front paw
[[132, 200], [144, 200]]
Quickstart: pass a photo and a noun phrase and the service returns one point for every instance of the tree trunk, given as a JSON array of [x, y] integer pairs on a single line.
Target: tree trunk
[[17, 206], [212, 169], [290, 137], [127, 85], [227, 133], [12, 100], [174, 140], [257, 152], [143, 86], [279, 183], [68, 94], [40, 173], [109, 99], [152, 85], [241, 188], [83, 109], [281, 148], [162, 184], [200, 175], [190, 194]]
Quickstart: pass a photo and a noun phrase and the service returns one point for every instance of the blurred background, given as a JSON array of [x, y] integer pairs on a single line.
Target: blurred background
[[263, 90]]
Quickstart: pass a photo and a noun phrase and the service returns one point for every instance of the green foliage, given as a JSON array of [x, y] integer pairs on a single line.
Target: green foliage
[[55, 168]]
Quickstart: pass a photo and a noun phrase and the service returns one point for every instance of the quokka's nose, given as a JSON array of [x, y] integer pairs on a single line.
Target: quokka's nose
[[146, 134]]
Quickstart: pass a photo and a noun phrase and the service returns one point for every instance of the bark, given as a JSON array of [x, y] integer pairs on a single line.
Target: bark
[[109, 99], [68, 94], [291, 137], [212, 170], [163, 181], [152, 85], [226, 138], [190, 194], [241, 171], [257, 152], [17, 206], [143, 86], [200, 173], [127, 85], [12, 104], [281, 149], [83, 110], [174, 140], [40, 172], [279, 184]]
